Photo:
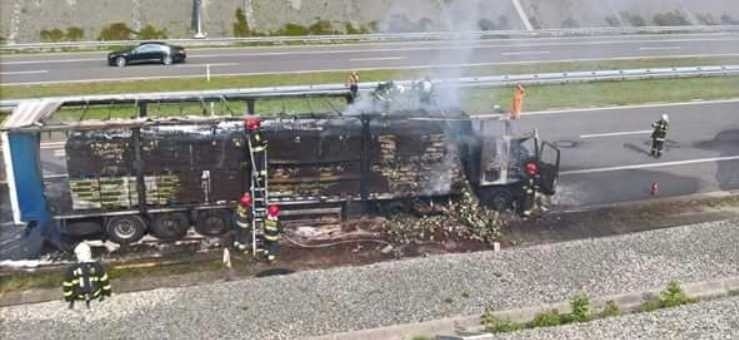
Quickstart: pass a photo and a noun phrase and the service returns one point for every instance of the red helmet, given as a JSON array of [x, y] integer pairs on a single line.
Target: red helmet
[[532, 169], [245, 200], [252, 123], [273, 210]]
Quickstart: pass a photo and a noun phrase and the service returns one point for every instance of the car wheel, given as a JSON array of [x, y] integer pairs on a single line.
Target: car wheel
[[171, 226], [125, 229], [167, 60], [500, 200], [120, 61]]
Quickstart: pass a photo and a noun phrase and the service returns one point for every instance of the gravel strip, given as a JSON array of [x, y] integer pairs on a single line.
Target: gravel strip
[[716, 319], [423, 289]]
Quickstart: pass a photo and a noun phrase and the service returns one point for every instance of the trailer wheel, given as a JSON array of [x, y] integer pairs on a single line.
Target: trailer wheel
[[213, 222], [125, 229], [170, 226]]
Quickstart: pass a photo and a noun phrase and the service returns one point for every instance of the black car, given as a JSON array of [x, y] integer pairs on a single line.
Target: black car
[[147, 52]]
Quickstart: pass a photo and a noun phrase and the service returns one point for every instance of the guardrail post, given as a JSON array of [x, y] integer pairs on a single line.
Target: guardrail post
[[143, 109], [250, 106]]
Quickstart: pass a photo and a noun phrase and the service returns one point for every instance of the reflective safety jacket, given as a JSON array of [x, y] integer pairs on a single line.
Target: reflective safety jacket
[[660, 129], [258, 141], [272, 229], [243, 217], [85, 281]]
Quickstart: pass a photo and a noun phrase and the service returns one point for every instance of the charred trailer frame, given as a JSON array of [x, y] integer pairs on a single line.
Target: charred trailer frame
[[162, 179]]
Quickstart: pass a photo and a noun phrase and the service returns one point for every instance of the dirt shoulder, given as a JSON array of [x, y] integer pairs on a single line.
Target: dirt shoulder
[[21, 288]]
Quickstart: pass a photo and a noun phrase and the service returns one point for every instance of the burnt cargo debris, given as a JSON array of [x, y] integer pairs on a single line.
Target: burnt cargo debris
[[309, 159]]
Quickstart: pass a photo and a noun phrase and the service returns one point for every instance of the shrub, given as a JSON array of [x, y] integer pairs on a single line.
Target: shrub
[[570, 23], [672, 296], [674, 18], [611, 309], [580, 305], [729, 20], [486, 24], [503, 22], [547, 319], [53, 35], [321, 27], [151, 32], [613, 21], [633, 19], [706, 19], [75, 33], [534, 23], [350, 29], [292, 29], [241, 27], [116, 31], [493, 324]]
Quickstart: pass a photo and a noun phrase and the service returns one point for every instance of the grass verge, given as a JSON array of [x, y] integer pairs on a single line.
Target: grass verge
[[581, 311], [224, 82]]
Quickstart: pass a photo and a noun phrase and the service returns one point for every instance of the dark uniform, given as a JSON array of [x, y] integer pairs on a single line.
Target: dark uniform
[[658, 136], [259, 146], [272, 230], [243, 226], [85, 281]]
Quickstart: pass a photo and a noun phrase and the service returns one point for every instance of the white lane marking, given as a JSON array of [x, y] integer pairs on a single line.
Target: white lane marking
[[613, 134], [650, 165], [378, 59], [614, 108], [25, 62], [519, 53], [416, 67], [204, 65], [659, 48], [60, 153], [23, 72]]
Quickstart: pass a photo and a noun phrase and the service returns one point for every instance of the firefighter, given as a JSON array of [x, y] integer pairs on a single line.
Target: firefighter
[[659, 134], [272, 230], [352, 82], [243, 224], [517, 107], [258, 144], [85, 280], [530, 188]]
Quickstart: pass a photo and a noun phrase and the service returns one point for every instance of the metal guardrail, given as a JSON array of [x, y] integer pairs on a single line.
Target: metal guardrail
[[383, 37], [339, 89]]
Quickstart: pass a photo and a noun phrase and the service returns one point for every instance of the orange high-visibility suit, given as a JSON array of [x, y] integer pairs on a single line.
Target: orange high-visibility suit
[[518, 95]]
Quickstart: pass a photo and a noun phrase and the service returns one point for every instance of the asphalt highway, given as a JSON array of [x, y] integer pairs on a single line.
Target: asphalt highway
[[92, 66]]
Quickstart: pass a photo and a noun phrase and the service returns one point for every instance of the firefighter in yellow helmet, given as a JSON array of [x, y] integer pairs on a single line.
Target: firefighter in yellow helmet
[[85, 280], [272, 231], [243, 219]]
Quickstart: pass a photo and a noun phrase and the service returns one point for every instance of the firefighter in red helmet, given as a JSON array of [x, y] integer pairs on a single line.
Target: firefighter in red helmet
[[530, 187], [243, 222], [258, 145], [272, 231]]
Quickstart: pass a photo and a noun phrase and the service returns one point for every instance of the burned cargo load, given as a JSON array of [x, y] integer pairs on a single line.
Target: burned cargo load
[[309, 160], [127, 181]]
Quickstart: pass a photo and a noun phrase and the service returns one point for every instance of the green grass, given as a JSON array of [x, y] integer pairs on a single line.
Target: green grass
[[223, 82]]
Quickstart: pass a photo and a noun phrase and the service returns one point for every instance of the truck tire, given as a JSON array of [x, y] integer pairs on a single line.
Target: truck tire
[[170, 226], [213, 222], [125, 229], [498, 199]]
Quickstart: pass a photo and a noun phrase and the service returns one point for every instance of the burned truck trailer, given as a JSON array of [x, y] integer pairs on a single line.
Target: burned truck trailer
[[162, 179]]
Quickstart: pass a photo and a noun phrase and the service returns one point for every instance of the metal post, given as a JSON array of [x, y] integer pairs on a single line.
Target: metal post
[[199, 20], [138, 165], [365, 163], [143, 112], [250, 103]]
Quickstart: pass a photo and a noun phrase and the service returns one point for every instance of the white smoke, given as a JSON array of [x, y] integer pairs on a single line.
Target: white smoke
[[461, 18]]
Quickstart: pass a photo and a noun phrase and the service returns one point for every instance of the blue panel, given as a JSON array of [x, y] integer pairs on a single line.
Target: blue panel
[[24, 149]]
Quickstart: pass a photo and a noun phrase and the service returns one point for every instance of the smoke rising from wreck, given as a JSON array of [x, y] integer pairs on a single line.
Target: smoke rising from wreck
[[460, 18]]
